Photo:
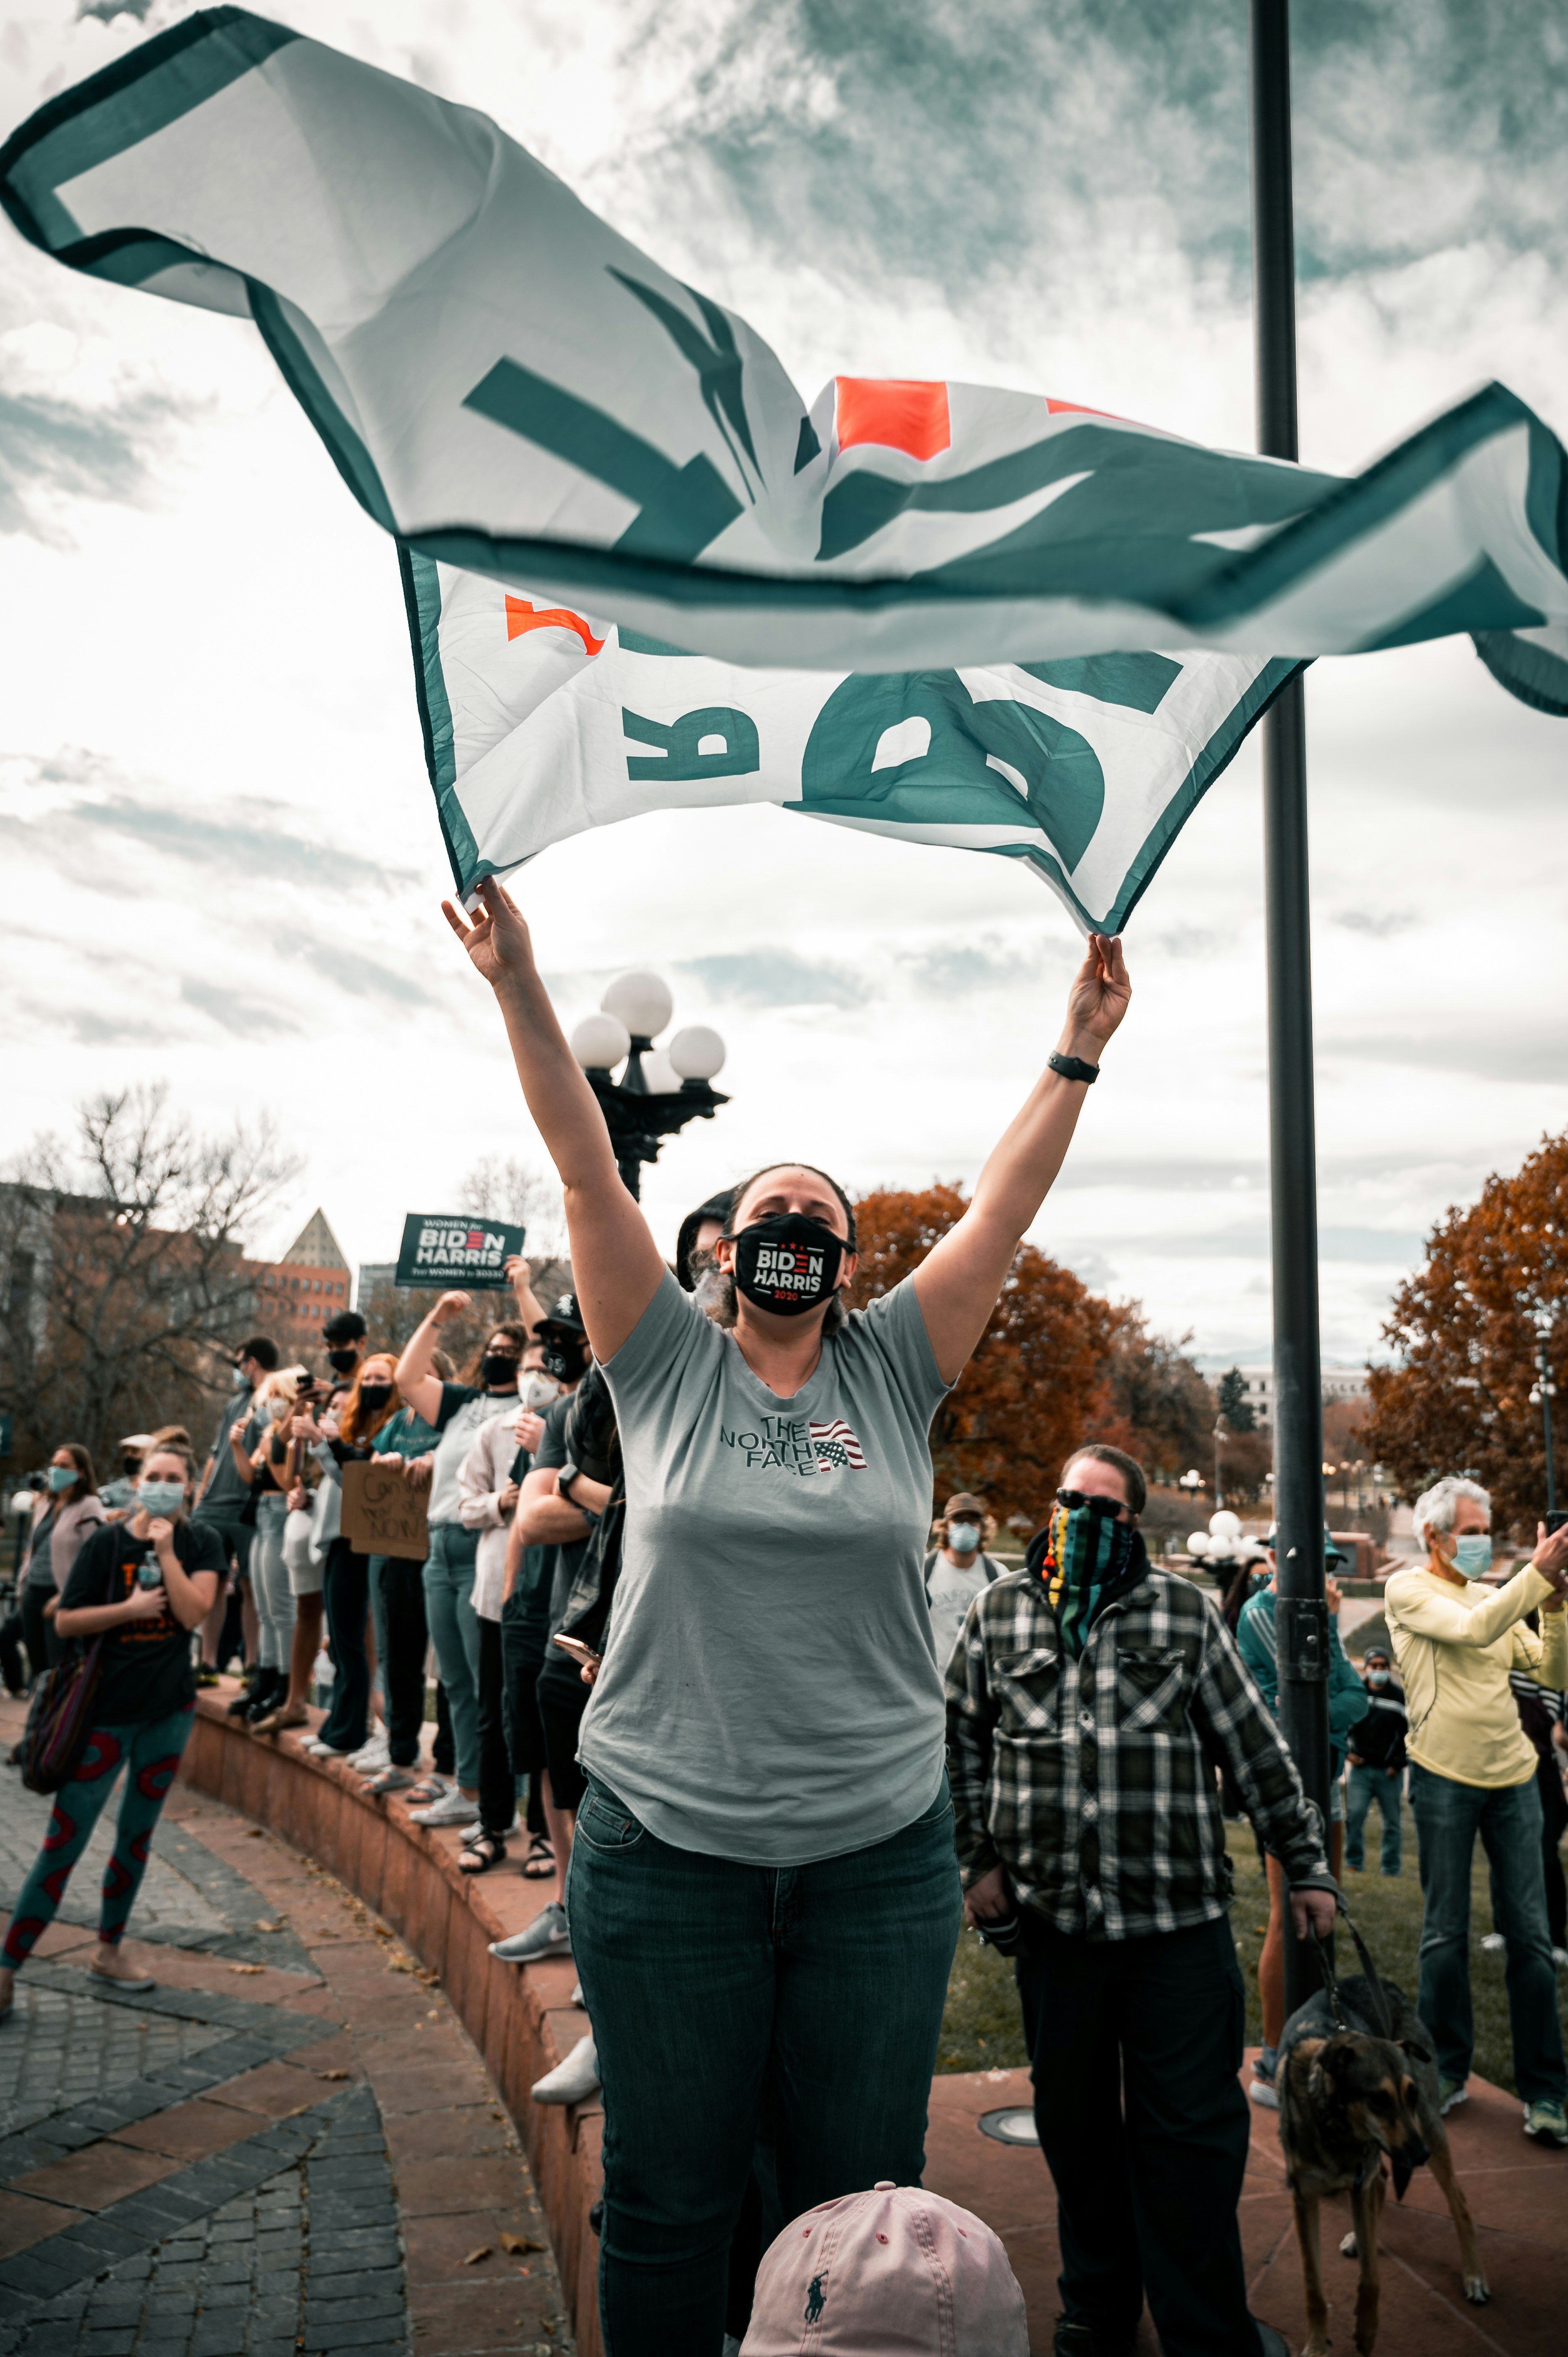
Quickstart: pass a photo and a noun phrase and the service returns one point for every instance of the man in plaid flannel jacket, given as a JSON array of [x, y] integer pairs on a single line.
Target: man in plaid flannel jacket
[[1083, 1736]]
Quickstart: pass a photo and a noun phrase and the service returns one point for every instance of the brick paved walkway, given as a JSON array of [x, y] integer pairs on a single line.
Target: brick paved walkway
[[288, 2146]]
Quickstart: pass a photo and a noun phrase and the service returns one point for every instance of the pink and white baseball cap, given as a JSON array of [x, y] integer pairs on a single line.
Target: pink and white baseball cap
[[892, 2273]]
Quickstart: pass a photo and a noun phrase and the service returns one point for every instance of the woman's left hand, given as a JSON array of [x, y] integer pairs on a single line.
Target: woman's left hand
[[161, 1533], [1100, 996], [496, 937]]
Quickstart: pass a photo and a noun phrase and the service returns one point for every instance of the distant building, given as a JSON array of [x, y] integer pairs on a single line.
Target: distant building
[[373, 1275], [1340, 1382], [296, 1295]]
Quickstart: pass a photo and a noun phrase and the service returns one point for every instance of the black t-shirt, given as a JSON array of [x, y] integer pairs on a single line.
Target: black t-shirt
[[568, 1558], [146, 1665]]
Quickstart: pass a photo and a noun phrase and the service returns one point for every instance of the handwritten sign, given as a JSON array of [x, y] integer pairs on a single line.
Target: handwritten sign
[[446, 1248], [382, 1514]]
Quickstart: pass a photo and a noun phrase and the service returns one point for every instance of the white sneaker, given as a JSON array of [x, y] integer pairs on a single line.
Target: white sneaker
[[547, 1935], [453, 1808], [573, 2081], [372, 1755], [1494, 1944], [577, 1997]]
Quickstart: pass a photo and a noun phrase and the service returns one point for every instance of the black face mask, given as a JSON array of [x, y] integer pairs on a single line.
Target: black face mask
[[787, 1265], [497, 1371], [374, 1395], [564, 1356], [344, 1360]]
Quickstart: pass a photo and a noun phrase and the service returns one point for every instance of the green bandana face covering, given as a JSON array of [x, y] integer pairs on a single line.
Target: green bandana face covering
[[1086, 1554]]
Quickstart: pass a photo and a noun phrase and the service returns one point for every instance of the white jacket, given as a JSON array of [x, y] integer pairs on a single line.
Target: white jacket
[[484, 1473]]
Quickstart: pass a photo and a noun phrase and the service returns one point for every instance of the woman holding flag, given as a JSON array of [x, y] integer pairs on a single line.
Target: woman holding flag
[[764, 1892]]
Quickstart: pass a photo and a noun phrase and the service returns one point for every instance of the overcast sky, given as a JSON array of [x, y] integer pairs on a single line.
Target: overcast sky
[[221, 859]]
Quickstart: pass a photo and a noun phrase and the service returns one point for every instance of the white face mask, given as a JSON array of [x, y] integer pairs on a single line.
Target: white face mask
[[963, 1537], [537, 1390]]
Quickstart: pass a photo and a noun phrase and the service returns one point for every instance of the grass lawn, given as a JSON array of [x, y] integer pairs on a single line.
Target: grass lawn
[[981, 2027]]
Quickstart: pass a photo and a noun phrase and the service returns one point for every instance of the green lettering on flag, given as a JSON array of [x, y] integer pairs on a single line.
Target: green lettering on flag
[[680, 758], [951, 782]]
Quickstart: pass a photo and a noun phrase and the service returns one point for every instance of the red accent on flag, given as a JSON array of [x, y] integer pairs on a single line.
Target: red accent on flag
[[522, 616], [897, 413], [1057, 407]]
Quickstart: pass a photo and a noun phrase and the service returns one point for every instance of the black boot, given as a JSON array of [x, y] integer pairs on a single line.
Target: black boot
[[270, 1689], [243, 1699]]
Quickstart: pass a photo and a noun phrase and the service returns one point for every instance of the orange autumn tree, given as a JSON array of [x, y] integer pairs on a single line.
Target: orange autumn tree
[[1037, 1382], [1464, 1326]]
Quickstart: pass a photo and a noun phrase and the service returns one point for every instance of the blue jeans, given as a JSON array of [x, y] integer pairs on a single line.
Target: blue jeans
[[454, 1633], [1448, 1816], [714, 1987], [1364, 1785]]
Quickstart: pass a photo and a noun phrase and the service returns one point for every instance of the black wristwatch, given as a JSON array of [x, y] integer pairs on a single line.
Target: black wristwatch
[[1073, 1068], [565, 1478]]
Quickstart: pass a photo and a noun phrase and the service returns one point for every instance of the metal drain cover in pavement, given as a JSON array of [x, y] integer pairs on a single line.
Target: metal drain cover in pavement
[[1011, 2126]]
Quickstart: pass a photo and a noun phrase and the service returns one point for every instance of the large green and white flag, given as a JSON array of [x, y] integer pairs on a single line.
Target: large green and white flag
[[541, 721], [517, 393]]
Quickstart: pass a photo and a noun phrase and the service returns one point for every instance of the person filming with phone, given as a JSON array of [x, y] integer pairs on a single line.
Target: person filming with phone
[[763, 1887]]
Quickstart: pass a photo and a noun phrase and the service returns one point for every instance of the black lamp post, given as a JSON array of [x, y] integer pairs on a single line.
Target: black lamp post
[[1544, 1393], [650, 1102]]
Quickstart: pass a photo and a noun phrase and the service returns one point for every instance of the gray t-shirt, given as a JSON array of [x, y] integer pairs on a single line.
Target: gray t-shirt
[[771, 1690], [223, 1499]]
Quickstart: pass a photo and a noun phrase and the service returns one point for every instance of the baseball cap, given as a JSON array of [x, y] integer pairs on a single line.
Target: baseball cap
[[963, 1504], [563, 1312], [895, 2269], [716, 1207]]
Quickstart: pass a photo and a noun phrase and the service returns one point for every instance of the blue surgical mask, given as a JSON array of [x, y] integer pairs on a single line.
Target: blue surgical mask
[[963, 1537], [162, 1497], [1472, 1554], [1377, 1677], [61, 1477]]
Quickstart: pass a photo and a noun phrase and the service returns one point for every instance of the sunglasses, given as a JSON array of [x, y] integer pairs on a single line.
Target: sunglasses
[[1075, 1500]]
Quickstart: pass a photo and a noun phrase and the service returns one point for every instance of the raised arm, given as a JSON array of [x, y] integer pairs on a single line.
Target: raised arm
[[958, 1281], [614, 1258], [415, 1377]]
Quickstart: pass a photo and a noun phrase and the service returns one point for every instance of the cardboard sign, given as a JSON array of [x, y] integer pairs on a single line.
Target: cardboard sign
[[445, 1248], [382, 1514]]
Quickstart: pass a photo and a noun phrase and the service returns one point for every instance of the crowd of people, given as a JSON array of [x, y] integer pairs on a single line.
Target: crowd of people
[[770, 1736]]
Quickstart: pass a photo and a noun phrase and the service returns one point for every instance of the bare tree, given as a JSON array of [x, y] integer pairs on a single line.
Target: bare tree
[[502, 1188], [123, 1274]]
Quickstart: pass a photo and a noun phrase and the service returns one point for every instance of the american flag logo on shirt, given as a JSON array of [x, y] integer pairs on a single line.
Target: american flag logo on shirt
[[835, 1444]]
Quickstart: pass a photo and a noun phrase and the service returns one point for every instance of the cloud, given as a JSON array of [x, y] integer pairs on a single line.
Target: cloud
[[1249, 1240], [52, 448], [107, 10], [351, 970], [1380, 926], [968, 147], [246, 1018], [779, 977], [958, 971], [1494, 1053]]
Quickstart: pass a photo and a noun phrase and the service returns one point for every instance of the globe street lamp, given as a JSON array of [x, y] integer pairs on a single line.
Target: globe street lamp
[[662, 1089]]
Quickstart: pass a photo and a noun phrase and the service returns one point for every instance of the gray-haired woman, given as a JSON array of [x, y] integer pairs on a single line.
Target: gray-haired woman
[[763, 1889]]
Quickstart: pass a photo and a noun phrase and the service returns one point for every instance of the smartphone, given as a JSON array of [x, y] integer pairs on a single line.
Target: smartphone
[[1555, 1519], [582, 1655]]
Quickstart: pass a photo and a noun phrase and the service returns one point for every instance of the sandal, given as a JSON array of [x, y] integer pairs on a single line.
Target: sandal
[[540, 1863], [479, 1855], [391, 1780], [433, 1788]]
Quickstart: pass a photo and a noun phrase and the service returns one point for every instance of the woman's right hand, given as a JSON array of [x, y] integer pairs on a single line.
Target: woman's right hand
[[497, 939], [450, 1306], [145, 1604]]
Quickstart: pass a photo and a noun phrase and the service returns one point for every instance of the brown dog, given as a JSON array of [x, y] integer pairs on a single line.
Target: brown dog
[[1349, 2098]]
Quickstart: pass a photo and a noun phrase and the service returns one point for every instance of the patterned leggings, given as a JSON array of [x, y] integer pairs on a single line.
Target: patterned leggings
[[150, 1754]]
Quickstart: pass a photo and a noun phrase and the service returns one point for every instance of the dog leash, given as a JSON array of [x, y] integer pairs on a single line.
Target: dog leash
[[1380, 1998]]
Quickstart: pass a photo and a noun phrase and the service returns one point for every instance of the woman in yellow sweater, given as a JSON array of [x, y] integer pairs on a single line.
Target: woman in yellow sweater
[[1472, 1770]]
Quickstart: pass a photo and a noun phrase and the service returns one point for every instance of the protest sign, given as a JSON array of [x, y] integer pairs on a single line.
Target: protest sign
[[382, 1513], [446, 1248]]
